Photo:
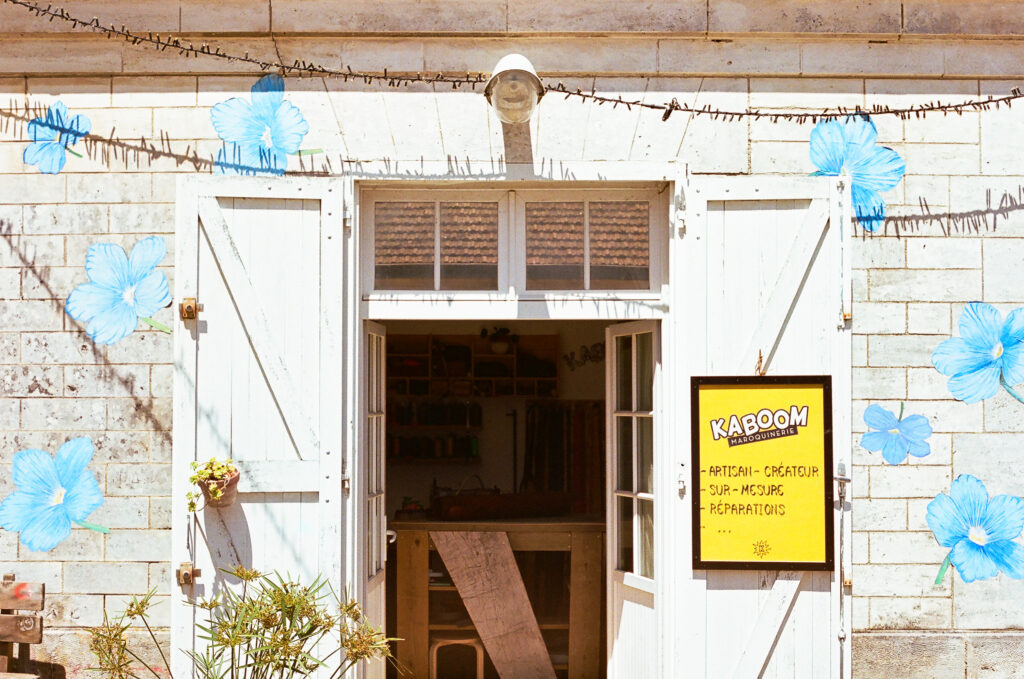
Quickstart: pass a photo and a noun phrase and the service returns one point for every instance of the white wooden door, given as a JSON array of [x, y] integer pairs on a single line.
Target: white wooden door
[[633, 368], [259, 379], [761, 283], [375, 516]]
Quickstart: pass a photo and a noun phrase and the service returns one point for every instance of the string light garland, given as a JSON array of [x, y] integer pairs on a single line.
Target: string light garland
[[301, 67], [111, 149], [836, 113]]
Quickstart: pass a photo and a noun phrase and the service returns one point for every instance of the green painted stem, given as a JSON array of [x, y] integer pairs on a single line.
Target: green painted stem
[[93, 526], [156, 324], [1009, 389], [74, 153], [942, 570], [901, 411]]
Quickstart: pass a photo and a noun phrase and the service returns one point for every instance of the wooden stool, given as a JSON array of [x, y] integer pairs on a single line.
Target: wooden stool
[[467, 638]]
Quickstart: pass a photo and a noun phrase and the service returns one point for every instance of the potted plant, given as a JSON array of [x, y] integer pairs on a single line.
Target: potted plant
[[269, 628], [218, 482], [501, 339]]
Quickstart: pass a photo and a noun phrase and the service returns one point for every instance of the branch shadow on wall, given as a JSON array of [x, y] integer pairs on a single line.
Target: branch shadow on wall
[[142, 407]]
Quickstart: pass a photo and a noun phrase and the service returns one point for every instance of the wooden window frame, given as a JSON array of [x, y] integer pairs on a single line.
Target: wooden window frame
[[632, 577], [512, 241], [369, 197]]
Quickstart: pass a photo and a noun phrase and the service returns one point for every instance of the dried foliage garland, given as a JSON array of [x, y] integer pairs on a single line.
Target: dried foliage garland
[[302, 67]]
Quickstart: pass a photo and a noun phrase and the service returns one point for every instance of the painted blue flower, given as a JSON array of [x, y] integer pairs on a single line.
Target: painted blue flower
[[988, 353], [120, 290], [51, 494], [979, 530], [895, 436], [848, 146], [258, 136], [52, 135]]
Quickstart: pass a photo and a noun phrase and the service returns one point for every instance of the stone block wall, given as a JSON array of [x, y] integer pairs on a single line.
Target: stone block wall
[[956, 235]]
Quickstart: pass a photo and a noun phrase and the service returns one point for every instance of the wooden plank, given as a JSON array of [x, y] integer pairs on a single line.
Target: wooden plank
[[538, 525], [22, 596], [758, 649], [278, 476], [541, 542], [777, 310], [257, 328], [484, 571], [411, 616], [186, 422], [585, 584], [21, 629]]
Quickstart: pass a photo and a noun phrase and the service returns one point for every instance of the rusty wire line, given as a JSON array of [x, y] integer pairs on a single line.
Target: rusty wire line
[[301, 67]]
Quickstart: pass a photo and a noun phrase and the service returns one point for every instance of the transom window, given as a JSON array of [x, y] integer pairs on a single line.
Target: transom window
[[527, 241]]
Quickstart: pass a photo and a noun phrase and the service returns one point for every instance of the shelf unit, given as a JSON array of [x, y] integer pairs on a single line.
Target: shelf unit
[[464, 366]]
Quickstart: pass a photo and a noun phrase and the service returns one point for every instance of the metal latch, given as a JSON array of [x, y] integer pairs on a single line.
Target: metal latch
[[187, 573], [189, 309]]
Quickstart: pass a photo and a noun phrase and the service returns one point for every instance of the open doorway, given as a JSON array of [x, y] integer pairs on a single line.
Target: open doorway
[[496, 430]]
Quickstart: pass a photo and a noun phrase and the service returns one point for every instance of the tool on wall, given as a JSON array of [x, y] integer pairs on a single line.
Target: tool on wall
[[514, 414]]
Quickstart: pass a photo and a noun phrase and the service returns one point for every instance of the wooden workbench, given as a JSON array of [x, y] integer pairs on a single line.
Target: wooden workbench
[[584, 540]]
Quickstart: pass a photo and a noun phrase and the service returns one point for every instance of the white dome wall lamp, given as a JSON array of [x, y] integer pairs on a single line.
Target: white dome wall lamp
[[514, 89]]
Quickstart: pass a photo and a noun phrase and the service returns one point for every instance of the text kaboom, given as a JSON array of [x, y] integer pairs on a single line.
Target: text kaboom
[[763, 420]]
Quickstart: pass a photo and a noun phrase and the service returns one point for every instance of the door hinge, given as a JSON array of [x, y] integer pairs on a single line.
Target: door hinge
[[187, 574], [189, 309]]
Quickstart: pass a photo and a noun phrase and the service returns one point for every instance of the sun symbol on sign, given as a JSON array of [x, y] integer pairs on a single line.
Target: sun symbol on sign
[[762, 548]]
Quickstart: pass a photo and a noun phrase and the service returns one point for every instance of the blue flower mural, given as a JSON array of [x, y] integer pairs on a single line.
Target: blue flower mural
[[121, 290], [988, 353], [848, 147], [51, 137], [51, 494], [895, 436], [978, 530], [259, 135]]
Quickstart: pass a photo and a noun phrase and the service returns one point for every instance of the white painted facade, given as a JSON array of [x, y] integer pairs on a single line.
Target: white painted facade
[[955, 238]]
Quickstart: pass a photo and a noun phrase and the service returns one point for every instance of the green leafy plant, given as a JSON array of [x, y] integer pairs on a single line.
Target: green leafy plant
[[208, 474], [273, 628], [109, 642], [499, 335]]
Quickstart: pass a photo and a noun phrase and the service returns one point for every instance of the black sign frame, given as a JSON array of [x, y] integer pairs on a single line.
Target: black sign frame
[[823, 381]]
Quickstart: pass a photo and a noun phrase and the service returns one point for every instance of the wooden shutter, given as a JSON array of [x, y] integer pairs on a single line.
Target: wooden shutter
[[258, 378], [761, 280]]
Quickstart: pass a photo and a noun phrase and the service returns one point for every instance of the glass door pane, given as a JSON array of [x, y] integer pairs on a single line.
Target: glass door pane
[[624, 523], [624, 453], [645, 543]]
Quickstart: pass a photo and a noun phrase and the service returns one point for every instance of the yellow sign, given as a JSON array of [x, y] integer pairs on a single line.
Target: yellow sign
[[762, 472]]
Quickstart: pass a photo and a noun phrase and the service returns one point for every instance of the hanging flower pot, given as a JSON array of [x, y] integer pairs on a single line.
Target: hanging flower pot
[[218, 482], [221, 493]]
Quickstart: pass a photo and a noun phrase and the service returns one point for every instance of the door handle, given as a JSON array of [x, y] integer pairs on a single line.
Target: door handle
[[392, 536]]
